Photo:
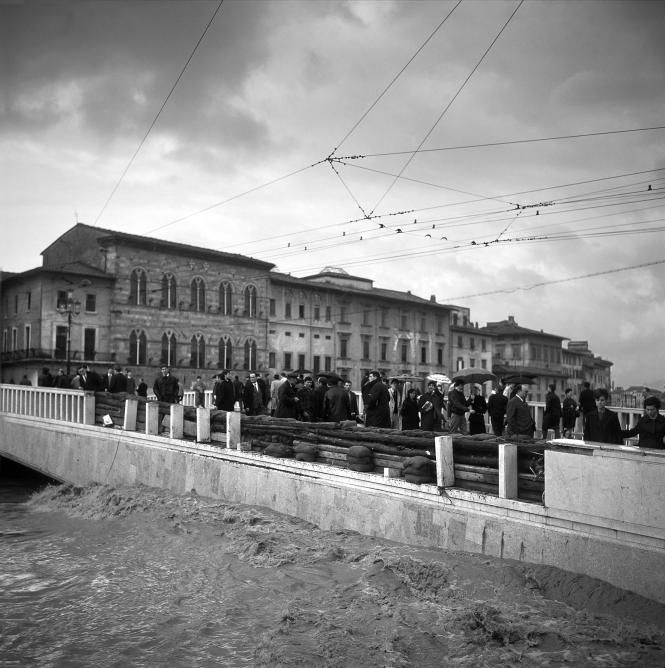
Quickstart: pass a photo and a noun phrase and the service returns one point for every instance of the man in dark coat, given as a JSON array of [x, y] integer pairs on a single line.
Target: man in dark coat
[[602, 425], [320, 399], [458, 407], [224, 393], [409, 410], [353, 401], [45, 379], [650, 427], [337, 408], [118, 381], [429, 408], [587, 400], [166, 387], [377, 407], [569, 413], [519, 421], [254, 395], [552, 414], [496, 407], [287, 398], [305, 400]]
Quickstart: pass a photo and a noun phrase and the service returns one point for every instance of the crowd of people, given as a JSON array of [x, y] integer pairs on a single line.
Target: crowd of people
[[387, 403]]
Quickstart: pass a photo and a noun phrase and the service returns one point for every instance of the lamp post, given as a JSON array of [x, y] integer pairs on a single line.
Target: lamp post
[[72, 307]]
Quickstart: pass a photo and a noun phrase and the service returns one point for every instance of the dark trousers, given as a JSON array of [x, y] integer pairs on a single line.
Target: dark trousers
[[498, 423]]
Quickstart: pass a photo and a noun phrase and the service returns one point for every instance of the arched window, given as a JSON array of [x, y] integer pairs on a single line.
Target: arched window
[[225, 356], [198, 298], [168, 291], [169, 348], [250, 301], [225, 295], [198, 348], [138, 345], [250, 355], [138, 287]]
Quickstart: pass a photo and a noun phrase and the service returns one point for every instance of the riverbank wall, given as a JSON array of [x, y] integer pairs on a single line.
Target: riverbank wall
[[603, 512]]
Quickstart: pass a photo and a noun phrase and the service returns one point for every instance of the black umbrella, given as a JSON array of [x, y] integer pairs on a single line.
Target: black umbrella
[[473, 375]]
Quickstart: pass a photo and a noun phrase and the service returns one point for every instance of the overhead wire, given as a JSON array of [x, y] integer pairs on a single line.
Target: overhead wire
[[447, 107], [154, 120]]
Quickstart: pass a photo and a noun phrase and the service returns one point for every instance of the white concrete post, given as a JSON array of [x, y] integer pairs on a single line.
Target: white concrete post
[[89, 408], [507, 471], [177, 422], [233, 430], [445, 467], [202, 425], [151, 417], [131, 410]]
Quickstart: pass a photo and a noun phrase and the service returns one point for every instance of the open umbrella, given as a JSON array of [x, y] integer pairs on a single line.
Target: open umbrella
[[439, 378], [520, 379], [473, 375]]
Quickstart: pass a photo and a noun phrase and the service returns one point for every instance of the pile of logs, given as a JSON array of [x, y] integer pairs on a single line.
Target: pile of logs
[[476, 457]]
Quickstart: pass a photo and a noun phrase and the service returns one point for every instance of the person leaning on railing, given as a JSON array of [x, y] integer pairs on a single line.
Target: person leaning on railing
[[650, 427]]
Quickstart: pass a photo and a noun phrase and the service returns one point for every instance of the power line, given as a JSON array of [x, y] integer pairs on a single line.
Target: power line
[[394, 79], [441, 115], [145, 136], [560, 280], [499, 143]]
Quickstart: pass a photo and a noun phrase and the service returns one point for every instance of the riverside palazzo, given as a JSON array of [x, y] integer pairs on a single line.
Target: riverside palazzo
[[114, 299]]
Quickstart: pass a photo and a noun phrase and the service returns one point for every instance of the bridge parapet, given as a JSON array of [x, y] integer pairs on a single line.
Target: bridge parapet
[[48, 402]]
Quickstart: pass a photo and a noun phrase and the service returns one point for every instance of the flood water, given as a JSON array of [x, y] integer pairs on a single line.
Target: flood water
[[134, 576]]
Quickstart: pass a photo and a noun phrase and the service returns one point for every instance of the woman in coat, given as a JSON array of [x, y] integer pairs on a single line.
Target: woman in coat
[[409, 410]]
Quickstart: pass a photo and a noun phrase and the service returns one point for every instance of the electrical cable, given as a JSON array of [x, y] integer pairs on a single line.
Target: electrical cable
[[154, 120], [446, 108]]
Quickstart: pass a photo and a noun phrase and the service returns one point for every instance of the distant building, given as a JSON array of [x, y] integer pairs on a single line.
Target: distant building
[[141, 302], [471, 345]]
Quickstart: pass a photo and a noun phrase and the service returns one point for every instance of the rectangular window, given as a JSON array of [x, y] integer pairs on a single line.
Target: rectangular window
[[15, 303], [366, 317], [301, 335], [439, 356], [343, 347], [472, 362], [328, 364], [516, 350], [317, 336], [301, 362], [384, 317], [483, 345], [460, 342], [405, 352], [15, 338], [472, 343], [287, 361], [4, 341], [60, 351], [460, 363], [327, 337], [384, 352], [423, 355], [287, 310], [316, 363], [272, 361], [439, 325], [328, 313], [483, 364], [287, 333], [365, 348], [27, 336], [29, 300], [273, 307], [301, 311], [61, 299], [342, 313], [423, 324], [90, 303], [317, 313], [403, 322], [89, 338]]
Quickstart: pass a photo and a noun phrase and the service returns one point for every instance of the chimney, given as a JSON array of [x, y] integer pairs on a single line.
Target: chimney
[[432, 298], [511, 319]]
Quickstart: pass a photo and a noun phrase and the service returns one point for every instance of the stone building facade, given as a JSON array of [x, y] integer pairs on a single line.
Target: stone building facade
[[144, 302]]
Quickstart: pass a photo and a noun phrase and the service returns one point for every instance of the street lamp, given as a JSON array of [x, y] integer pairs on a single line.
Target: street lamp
[[71, 307]]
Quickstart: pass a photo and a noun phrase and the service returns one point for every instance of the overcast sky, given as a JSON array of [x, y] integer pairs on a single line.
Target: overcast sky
[[236, 160]]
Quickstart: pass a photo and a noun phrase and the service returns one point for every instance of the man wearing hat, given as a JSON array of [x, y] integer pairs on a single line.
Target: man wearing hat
[[287, 398], [377, 403], [458, 407]]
